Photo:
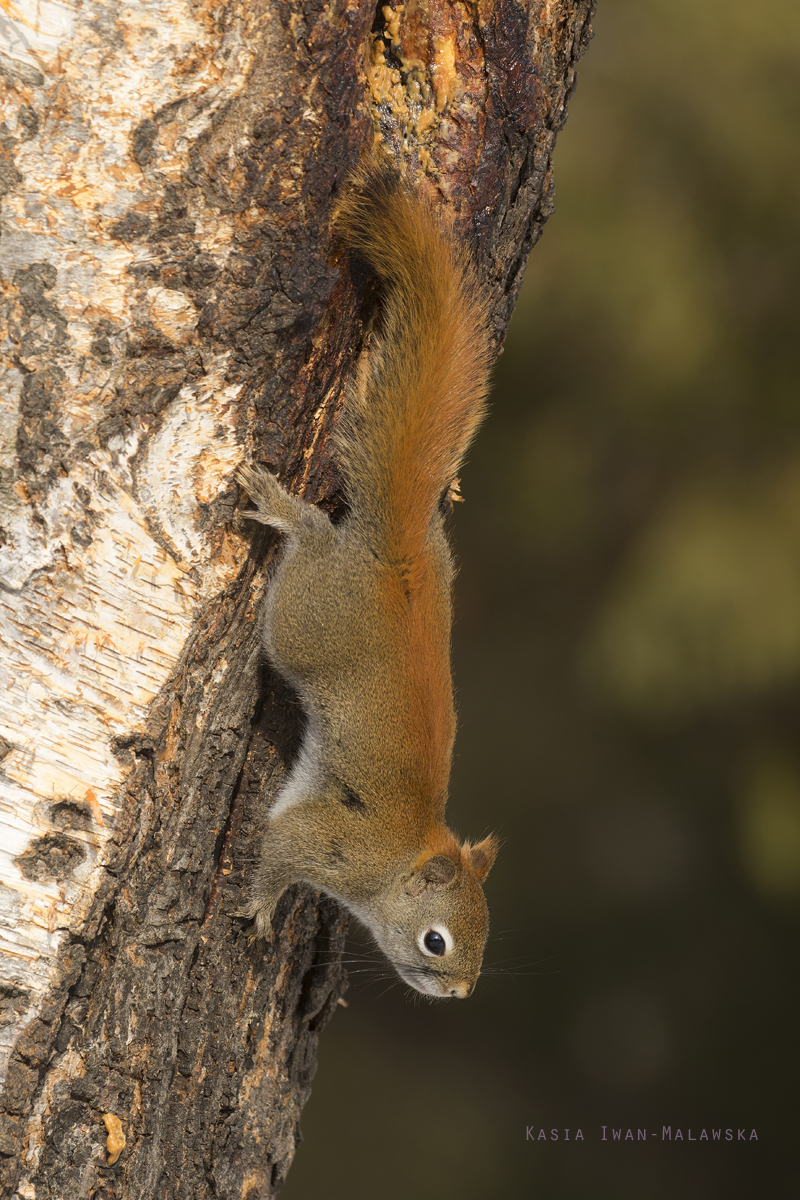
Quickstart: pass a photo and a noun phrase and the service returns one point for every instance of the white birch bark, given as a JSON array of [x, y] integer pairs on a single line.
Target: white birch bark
[[100, 582]]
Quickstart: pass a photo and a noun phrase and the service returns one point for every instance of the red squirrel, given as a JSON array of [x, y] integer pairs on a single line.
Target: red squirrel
[[358, 614]]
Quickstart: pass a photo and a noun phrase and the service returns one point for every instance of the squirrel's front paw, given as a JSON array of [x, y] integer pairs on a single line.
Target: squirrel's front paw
[[264, 489], [263, 902], [274, 505]]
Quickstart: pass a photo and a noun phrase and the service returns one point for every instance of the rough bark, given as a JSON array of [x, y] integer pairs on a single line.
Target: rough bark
[[169, 309]]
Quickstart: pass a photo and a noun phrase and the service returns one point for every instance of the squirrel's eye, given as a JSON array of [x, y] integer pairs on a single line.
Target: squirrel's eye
[[434, 943], [437, 940]]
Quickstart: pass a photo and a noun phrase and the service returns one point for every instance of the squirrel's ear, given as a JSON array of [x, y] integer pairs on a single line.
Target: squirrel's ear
[[482, 855], [435, 872]]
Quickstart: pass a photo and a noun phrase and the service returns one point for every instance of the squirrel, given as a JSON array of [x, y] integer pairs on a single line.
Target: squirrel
[[358, 613]]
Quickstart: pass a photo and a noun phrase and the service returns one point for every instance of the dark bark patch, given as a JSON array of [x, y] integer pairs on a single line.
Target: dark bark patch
[[53, 856], [143, 142], [34, 1043], [39, 434], [10, 177], [71, 1146], [100, 348], [510, 58], [36, 278], [47, 330], [192, 273], [13, 1001], [153, 375], [153, 383], [42, 336], [29, 120], [20, 1086], [85, 1087], [133, 227], [81, 534], [10, 1134], [5, 748], [71, 814], [173, 219], [21, 72]]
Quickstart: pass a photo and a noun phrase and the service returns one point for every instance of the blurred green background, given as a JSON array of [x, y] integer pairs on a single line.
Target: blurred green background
[[627, 657]]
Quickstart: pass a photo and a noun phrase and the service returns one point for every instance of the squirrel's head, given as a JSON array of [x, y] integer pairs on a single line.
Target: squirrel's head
[[435, 920]]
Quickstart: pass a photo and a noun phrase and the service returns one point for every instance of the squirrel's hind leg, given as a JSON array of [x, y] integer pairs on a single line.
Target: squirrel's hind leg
[[274, 505]]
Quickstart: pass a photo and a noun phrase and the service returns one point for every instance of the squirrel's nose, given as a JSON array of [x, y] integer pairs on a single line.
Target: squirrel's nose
[[464, 989]]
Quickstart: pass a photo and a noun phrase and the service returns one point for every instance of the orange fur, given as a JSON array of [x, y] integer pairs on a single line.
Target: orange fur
[[421, 393], [410, 416], [423, 685], [430, 686]]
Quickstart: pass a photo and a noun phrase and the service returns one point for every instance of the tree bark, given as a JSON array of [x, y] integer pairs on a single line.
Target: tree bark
[[170, 308]]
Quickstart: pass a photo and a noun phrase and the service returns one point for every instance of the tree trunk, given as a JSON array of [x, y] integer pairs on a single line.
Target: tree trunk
[[170, 309]]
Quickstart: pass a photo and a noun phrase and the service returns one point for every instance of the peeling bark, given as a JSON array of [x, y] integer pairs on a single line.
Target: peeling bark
[[170, 308]]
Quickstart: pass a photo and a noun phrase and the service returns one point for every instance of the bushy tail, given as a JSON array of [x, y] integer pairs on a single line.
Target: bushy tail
[[420, 395]]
